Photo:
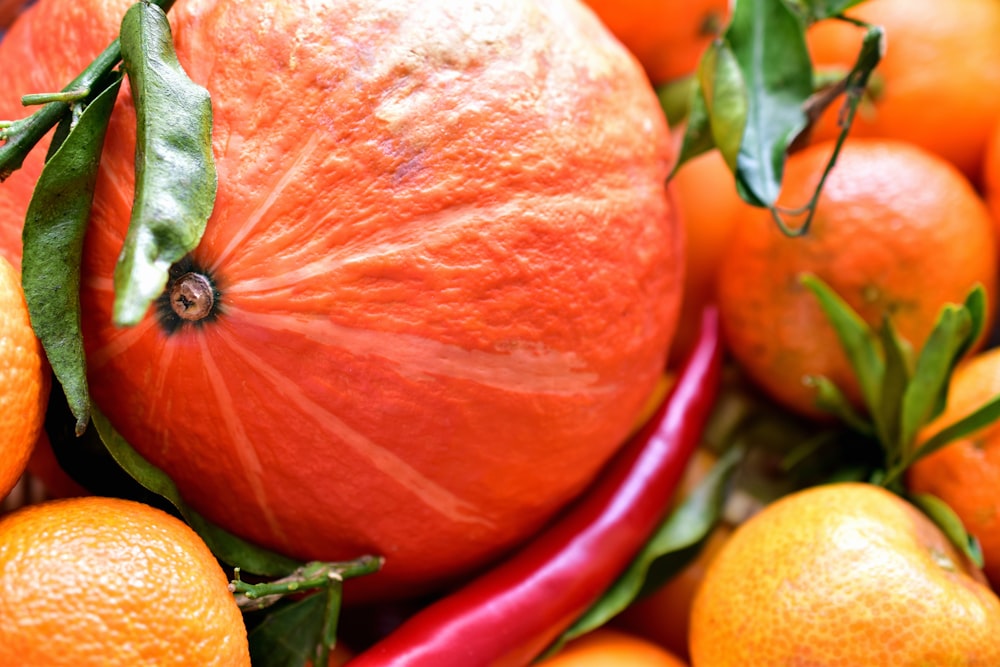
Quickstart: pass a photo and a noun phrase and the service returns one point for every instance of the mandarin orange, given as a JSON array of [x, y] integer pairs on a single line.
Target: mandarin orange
[[447, 269], [843, 574], [604, 647], [24, 380], [898, 231], [966, 472], [667, 36], [105, 582], [938, 84]]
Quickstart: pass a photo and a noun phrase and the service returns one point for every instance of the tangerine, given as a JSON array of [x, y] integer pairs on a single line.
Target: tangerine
[[667, 36], [897, 231], [938, 84], [448, 273], [606, 646], [843, 574], [24, 380], [966, 472], [105, 582]]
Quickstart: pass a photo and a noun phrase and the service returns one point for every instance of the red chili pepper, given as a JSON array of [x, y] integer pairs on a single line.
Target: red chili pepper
[[512, 613]]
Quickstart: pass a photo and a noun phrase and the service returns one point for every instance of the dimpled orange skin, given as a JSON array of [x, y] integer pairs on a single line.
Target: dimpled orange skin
[[897, 230], [105, 582], [843, 575], [939, 80], [966, 472], [24, 380], [448, 270], [667, 36]]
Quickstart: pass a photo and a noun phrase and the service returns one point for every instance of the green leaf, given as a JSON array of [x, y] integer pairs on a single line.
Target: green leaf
[[175, 170], [857, 338], [697, 131], [53, 241], [675, 99], [226, 546], [926, 394], [768, 41], [981, 417], [949, 523], [725, 99], [896, 380], [287, 636], [817, 10], [673, 546]]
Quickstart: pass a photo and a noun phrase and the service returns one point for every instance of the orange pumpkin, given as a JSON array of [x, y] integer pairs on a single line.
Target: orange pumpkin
[[446, 270]]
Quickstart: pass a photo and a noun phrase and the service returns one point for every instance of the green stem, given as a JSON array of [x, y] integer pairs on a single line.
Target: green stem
[[23, 135], [312, 575]]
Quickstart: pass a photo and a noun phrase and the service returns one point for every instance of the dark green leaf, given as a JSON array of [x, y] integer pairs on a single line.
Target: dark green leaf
[[287, 636], [53, 240], [898, 369], [175, 169], [226, 546], [856, 337], [673, 546], [926, 395], [768, 41], [725, 99], [949, 523]]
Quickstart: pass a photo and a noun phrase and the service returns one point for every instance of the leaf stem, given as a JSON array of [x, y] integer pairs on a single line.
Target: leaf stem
[[21, 136], [312, 575]]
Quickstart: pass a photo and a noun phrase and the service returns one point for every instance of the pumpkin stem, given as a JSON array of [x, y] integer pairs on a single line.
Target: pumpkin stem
[[192, 296]]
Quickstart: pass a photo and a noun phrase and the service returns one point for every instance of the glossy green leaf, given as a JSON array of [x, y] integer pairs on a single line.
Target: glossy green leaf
[[287, 635], [53, 234], [925, 397], [226, 546], [768, 41], [949, 523], [859, 341], [725, 99], [674, 545], [175, 168]]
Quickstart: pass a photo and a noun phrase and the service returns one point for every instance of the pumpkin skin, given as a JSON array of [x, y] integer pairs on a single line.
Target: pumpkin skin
[[448, 270]]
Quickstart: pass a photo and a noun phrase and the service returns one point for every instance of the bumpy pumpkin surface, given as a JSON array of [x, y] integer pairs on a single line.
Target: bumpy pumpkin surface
[[447, 269]]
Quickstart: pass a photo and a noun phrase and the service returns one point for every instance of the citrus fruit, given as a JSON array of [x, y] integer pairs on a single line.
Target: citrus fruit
[[966, 472], [447, 270], [107, 582], [705, 191], [24, 380], [605, 646], [938, 84], [897, 232], [991, 175], [667, 36], [843, 574]]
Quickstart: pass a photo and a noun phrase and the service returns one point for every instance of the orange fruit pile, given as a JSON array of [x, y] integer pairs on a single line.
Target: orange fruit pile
[[104, 582], [447, 278], [897, 231], [24, 380], [843, 574]]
